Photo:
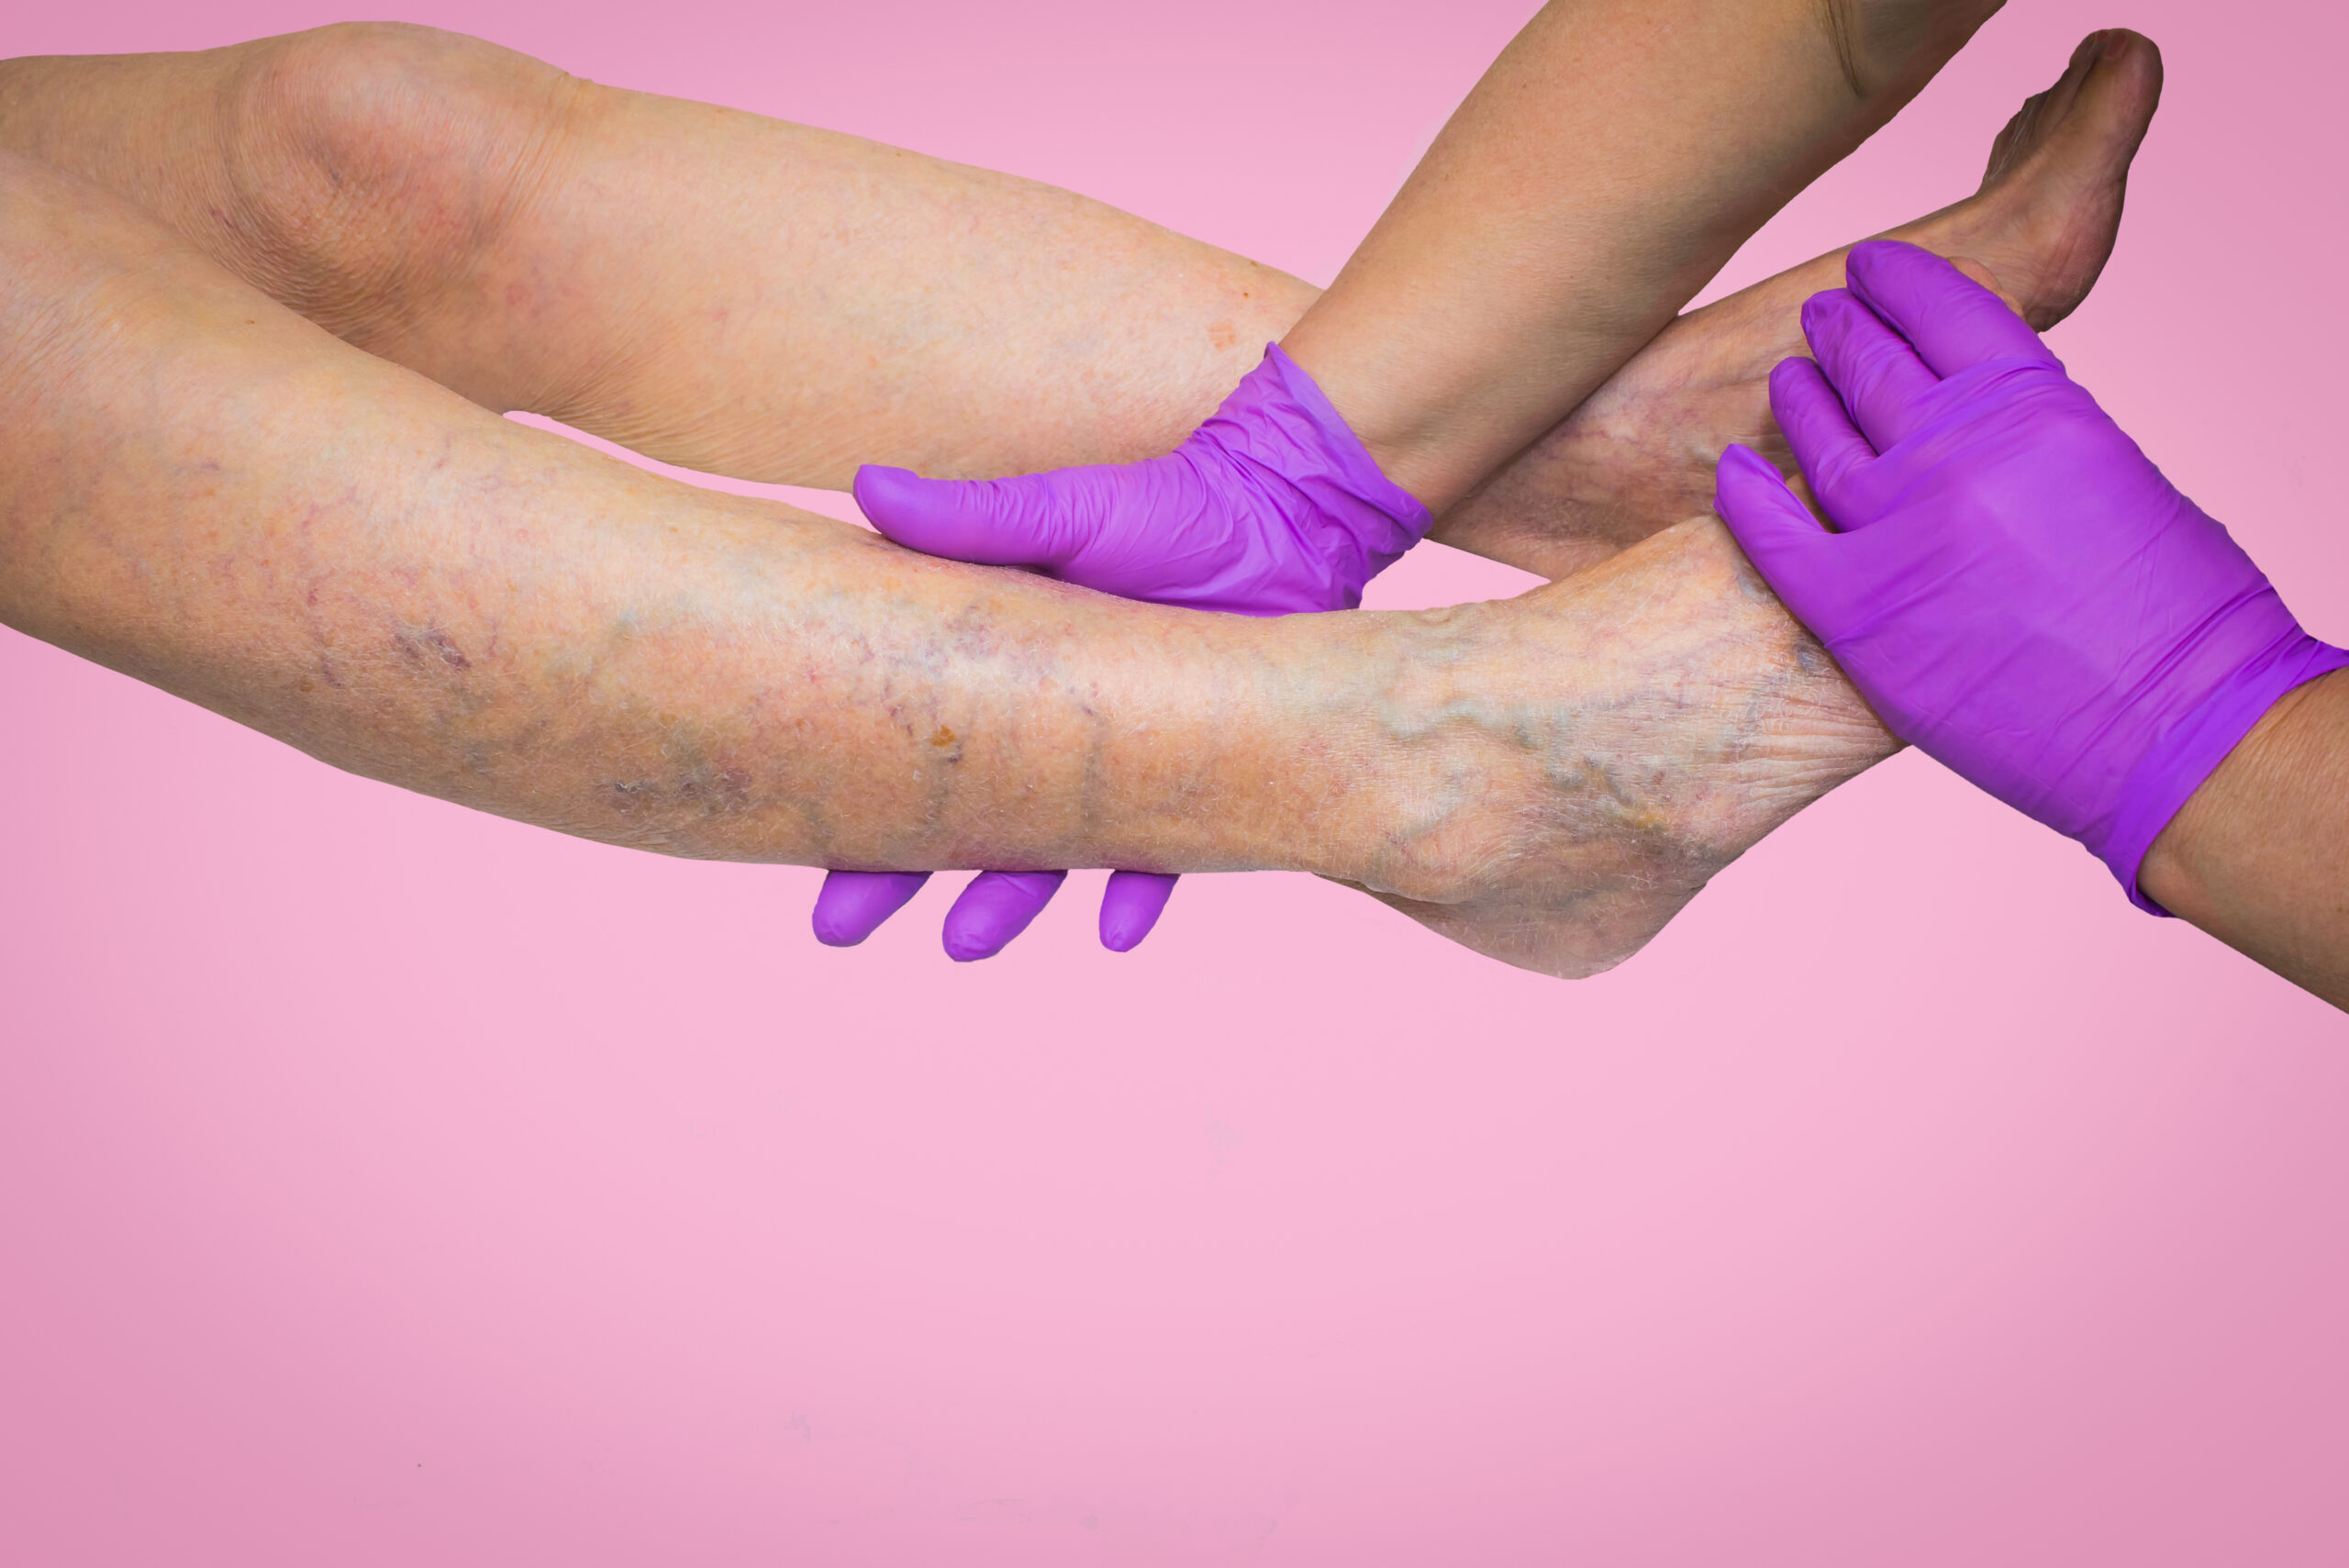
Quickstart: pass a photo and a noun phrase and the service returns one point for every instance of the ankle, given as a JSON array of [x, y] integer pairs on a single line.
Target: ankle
[[1704, 716]]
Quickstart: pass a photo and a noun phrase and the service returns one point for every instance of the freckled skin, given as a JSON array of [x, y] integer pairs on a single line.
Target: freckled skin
[[1547, 780]]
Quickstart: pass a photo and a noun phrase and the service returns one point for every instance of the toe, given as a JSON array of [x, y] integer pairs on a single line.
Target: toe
[[2042, 112], [2049, 209]]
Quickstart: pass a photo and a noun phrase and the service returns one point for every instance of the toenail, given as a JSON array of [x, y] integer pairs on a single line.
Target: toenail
[[2116, 43]]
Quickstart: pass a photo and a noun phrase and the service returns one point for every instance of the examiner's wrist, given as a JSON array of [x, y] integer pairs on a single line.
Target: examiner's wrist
[[2191, 853], [2253, 704]]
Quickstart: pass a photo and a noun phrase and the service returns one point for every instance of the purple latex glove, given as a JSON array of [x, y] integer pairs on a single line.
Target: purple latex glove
[[2016, 588], [1271, 507]]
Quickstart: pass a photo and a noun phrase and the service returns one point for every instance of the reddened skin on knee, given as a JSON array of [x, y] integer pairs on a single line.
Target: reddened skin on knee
[[372, 163]]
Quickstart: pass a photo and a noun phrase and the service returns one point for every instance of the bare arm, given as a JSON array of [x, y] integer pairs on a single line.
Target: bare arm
[[2259, 855], [1604, 169]]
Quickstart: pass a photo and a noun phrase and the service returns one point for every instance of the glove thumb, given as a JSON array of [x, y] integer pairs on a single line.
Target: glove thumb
[[1033, 520]]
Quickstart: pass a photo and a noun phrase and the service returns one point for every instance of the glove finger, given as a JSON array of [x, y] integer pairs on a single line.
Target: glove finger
[[1775, 530], [1955, 322], [996, 906], [1878, 375], [852, 903], [1131, 906], [1033, 520], [1826, 444]]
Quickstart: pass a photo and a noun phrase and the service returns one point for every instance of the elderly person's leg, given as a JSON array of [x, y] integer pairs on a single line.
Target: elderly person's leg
[[373, 176], [202, 490], [782, 303], [1640, 454], [709, 287]]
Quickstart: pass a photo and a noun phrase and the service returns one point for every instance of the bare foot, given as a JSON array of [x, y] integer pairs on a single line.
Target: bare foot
[[1639, 454], [1698, 714]]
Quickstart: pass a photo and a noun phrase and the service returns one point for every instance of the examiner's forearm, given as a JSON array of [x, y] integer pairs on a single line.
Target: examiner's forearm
[[1608, 165], [2259, 855]]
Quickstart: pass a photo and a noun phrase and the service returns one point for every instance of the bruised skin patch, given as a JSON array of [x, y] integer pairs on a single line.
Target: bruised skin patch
[[415, 644], [697, 789]]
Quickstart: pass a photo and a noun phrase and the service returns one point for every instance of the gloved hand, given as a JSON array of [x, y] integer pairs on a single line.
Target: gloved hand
[[2015, 587], [1271, 507]]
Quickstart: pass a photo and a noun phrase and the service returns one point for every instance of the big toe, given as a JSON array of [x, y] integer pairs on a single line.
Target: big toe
[[2050, 206], [2094, 115], [2103, 126]]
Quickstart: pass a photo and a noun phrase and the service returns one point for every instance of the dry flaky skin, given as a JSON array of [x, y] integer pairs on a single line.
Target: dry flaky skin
[[202, 490]]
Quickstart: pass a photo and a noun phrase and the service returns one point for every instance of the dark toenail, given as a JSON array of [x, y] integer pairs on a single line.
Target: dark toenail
[[2116, 43]]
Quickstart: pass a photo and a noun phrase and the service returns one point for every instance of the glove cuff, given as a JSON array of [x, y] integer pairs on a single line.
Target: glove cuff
[[1351, 463], [1353, 519], [2168, 774]]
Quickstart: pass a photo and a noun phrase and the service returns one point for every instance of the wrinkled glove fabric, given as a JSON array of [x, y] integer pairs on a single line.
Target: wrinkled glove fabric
[[2011, 583]]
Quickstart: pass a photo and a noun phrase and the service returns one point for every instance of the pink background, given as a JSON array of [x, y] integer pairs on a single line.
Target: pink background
[[381, 1183]]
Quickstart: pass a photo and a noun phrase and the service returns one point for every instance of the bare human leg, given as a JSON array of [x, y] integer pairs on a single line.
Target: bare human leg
[[401, 187], [2073, 179], [1604, 166], [1608, 161], [200, 489], [486, 219], [1639, 454]]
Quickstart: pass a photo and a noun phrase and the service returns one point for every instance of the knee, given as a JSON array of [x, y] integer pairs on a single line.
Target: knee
[[373, 161]]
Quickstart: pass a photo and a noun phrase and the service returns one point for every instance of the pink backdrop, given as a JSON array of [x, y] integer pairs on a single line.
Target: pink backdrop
[[381, 1183]]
